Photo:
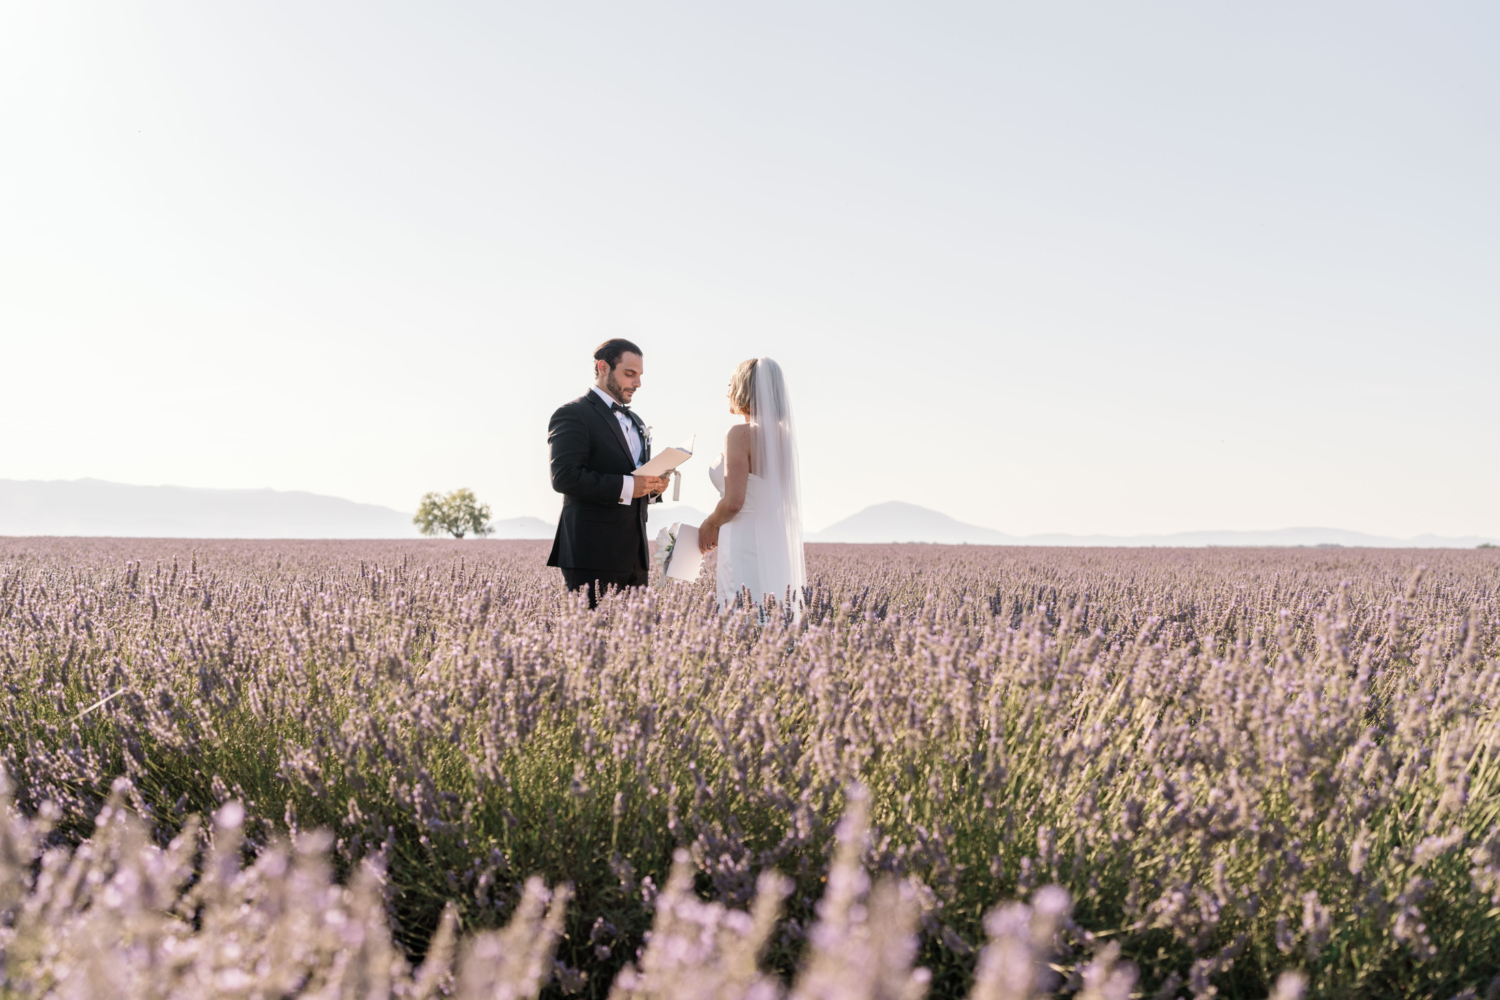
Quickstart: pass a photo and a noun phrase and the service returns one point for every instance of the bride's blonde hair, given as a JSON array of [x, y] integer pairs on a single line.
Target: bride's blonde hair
[[742, 387]]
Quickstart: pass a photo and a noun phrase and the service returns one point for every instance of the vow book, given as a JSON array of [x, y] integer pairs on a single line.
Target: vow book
[[665, 461]]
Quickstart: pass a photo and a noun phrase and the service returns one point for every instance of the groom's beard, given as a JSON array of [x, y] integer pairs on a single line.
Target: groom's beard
[[613, 387]]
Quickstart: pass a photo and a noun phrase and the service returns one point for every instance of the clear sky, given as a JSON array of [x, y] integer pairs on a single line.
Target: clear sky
[[1088, 267]]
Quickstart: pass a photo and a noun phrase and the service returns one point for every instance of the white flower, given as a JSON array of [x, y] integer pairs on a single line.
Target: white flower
[[666, 541]]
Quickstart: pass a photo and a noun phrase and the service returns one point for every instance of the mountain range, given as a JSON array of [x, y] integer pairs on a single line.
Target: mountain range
[[905, 522], [96, 508], [93, 507]]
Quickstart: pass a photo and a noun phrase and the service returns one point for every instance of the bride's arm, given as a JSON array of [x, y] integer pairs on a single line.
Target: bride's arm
[[736, 477]]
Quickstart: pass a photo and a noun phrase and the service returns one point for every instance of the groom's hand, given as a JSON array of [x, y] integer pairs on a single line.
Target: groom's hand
[[645, 485]]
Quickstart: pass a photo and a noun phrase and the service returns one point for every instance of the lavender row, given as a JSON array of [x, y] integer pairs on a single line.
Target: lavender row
[[1234, 762]]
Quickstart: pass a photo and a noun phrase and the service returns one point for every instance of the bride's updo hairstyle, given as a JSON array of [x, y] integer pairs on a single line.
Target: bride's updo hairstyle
[[742, 387]]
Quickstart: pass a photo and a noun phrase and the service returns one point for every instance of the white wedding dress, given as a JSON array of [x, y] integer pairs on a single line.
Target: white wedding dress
[[739, 562], [760, 548]]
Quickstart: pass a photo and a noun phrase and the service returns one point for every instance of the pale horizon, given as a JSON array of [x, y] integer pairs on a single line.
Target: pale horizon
[[1090, 270], [669, 511]]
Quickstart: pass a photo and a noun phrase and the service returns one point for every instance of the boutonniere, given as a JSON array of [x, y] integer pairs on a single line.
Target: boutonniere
[[647, 435]]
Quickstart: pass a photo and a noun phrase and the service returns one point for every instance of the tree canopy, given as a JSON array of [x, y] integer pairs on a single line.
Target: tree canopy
[[457, 514]]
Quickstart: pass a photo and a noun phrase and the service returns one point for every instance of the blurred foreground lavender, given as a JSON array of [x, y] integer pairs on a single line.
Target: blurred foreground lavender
[[123, 918], [1210, 767]]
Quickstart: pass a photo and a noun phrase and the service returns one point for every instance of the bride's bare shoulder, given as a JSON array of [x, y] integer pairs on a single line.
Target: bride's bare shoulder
[[738, 436]]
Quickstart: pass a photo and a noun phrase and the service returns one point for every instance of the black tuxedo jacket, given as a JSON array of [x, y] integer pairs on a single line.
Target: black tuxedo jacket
[[590, 459]]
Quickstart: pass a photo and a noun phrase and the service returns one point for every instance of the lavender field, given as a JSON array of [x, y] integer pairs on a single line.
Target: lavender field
[[980, 772]]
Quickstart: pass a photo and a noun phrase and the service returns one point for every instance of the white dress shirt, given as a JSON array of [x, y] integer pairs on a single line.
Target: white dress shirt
[[632, 438]]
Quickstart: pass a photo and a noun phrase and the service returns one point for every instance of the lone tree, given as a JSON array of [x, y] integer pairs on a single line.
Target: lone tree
[[457, 514]]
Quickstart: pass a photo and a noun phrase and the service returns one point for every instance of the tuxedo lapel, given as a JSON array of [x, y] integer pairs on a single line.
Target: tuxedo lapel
[[640, 430], [608, 416]]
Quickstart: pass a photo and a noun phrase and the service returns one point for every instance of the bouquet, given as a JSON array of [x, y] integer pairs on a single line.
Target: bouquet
[[666, 542]]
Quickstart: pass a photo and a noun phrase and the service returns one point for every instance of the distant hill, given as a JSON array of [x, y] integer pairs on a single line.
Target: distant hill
[[661, 515], [905, 522], [93, 507], [523, 527]]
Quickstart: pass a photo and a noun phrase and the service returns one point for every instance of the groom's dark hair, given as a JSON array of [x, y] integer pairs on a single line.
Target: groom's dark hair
[[610, 351]]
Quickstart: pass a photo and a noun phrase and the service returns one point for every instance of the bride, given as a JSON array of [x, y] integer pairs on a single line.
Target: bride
[[757, 525]]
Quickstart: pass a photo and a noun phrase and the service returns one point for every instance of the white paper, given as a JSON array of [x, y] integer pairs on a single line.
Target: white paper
[[663, 462], [685, 560]]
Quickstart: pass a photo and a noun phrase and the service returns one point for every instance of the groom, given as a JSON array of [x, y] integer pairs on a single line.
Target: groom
[[597, 443]]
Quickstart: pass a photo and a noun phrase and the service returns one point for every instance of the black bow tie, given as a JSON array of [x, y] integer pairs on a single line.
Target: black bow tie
[[620, 409]]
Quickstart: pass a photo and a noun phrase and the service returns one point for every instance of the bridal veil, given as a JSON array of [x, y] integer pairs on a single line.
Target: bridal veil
[[778, 518]]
